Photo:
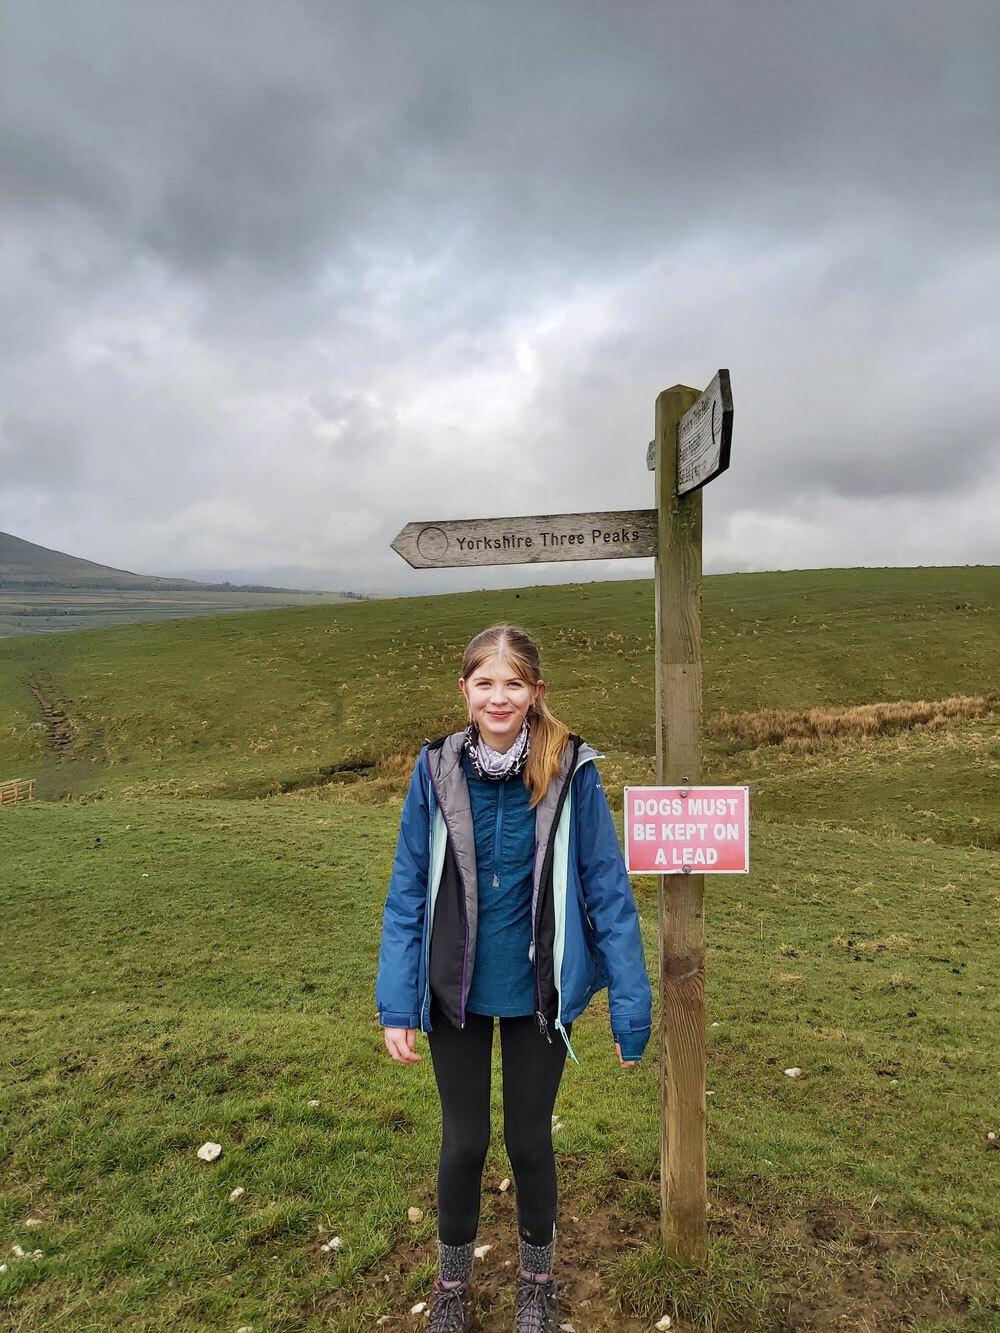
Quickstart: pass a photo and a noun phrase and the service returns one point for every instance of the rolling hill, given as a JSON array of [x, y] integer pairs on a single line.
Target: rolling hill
[[44, 591], [26, 566]]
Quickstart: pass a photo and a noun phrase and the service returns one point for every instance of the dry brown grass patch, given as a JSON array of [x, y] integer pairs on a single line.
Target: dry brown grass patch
[[804, 730]]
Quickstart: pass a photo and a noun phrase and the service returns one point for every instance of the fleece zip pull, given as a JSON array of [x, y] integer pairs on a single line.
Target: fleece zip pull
[[498, 836]]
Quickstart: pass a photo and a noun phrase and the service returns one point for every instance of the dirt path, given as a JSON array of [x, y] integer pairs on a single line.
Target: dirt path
[[73, 762], [62, 732]]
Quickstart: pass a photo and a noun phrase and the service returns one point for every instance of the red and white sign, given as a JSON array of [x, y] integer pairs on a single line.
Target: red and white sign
[[687, 830]]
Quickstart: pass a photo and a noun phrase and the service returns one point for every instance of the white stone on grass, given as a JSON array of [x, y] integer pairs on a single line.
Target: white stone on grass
[[481, 1251], [314, 1102], [237, 1193], [32, 1222], [419, 1308], [415, 1214], [505, 1185], [208, 1152], [794, 1072], [664, 1323]]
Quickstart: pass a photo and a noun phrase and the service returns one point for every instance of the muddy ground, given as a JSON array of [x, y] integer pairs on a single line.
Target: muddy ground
[[830, 1270]]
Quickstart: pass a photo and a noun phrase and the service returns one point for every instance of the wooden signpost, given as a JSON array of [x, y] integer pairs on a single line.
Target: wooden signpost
[[691, 447], [526, 541]]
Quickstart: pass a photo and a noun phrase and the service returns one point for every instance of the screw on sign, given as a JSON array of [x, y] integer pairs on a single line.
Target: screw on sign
[[691, 447]]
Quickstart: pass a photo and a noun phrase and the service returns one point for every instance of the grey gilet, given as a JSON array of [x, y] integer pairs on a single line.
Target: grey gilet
[[452, 793]]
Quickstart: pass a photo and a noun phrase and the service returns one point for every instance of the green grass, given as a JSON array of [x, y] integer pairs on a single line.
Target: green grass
[[174, 971], [217, 997], [320, 687]]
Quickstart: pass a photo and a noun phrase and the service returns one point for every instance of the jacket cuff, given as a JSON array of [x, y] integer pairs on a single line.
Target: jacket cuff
[[394, 1020], [632, 1044], [641, 1023]]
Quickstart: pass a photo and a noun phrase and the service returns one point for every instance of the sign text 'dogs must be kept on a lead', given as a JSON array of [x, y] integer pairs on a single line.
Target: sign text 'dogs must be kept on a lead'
[[687, 830]]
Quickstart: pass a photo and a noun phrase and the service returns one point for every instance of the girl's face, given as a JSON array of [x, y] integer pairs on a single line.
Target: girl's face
[[499, 700]]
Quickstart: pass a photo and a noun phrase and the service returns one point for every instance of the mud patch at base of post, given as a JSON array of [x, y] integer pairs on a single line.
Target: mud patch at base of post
[[827, 1267]]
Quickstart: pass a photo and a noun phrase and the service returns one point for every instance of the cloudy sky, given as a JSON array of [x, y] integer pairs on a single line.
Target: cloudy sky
[[282, 276]]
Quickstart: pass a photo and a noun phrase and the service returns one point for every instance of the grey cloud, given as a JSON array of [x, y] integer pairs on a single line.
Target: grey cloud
[[38, 454], [274, 265], [251, 133]]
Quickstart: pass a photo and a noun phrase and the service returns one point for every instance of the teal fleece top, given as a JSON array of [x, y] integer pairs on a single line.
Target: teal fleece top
[[503, 976]]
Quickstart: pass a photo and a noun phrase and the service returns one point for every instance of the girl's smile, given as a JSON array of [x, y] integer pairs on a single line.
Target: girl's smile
[[499, 700]]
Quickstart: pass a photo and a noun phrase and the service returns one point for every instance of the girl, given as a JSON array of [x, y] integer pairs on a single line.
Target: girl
[[508, 899]]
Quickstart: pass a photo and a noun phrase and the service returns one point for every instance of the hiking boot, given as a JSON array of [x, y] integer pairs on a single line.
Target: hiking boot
[[537, 1305], [451, 1311]]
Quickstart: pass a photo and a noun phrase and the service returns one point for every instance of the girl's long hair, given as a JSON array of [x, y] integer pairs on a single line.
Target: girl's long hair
[[548, 734]]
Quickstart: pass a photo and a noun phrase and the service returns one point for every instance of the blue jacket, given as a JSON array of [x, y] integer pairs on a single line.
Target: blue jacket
[[585, 927]]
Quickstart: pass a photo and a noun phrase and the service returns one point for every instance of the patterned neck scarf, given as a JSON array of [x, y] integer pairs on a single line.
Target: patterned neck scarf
[[491, 764]]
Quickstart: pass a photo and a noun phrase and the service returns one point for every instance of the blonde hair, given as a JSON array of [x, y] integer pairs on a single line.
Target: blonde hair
[[548, 734]]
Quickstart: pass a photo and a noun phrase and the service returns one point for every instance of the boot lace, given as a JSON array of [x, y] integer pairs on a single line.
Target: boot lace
[[448, 1313], [535, 1314]]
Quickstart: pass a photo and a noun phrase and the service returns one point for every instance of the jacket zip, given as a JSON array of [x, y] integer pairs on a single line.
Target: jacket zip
[[543, 1023], [543, 1026]]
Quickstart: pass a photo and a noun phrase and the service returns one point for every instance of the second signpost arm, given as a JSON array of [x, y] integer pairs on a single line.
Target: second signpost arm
[[683, 1201]]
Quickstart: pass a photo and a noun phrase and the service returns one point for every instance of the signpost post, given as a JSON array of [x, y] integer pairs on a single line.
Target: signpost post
[[683, 1184], [692, 446]]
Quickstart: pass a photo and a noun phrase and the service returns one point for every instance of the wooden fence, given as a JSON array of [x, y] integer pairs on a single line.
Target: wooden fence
[[17, 789]]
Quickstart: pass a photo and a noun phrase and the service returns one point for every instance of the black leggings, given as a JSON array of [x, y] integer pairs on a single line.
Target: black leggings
[[532, 1068]]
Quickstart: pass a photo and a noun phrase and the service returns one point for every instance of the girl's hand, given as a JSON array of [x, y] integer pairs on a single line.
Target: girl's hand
[[625, 1064], [399, 1044]]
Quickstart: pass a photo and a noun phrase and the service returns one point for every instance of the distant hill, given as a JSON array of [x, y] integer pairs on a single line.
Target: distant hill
[[49, 592], [30, 568]]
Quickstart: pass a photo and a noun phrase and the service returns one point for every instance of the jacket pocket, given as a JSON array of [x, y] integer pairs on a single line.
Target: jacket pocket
[[581, 962], [600, 971]]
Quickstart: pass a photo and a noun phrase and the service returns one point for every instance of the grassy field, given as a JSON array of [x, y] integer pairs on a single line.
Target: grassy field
[[191, 938]]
